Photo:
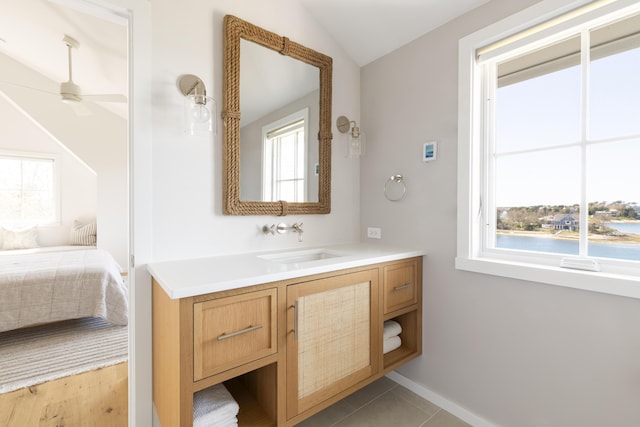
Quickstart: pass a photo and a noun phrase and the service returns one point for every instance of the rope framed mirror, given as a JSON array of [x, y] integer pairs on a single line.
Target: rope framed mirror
[[255, 136]]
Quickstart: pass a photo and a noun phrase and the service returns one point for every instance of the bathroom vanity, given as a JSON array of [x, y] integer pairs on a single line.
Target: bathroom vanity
[[288, 333]]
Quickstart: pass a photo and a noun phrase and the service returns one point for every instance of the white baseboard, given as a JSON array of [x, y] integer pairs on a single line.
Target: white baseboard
[[449, 406]]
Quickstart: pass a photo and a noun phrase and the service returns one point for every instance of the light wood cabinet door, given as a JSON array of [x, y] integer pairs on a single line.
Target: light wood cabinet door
[[332, 335], [231, 331]]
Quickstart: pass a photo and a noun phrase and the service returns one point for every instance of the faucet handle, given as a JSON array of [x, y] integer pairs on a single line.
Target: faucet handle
[[269, 230], [298, 229]]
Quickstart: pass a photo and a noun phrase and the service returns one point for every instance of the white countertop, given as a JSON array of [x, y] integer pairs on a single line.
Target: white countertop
[[198, 276]]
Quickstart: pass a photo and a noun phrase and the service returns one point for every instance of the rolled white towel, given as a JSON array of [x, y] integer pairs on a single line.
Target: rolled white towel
[[214, 406], [211, 422], [391, 344], [391, 329]]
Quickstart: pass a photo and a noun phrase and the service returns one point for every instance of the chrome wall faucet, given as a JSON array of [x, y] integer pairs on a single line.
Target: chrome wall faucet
[[283, 228]]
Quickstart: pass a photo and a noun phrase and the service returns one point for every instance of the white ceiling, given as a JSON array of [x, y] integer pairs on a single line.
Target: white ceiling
[[369, 29], [281, 81], [31, 32]]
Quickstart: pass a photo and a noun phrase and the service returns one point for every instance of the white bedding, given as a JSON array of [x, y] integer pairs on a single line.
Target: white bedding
[[46, 286]]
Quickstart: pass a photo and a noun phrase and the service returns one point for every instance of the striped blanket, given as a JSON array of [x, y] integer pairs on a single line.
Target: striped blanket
[[51, 286]]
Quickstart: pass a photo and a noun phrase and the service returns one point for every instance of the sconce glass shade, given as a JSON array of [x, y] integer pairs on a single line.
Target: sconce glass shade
[[356, 147], [199, 114], [357, 144]]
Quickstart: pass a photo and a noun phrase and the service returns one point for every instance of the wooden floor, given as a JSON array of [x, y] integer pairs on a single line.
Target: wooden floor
[[97, 398]]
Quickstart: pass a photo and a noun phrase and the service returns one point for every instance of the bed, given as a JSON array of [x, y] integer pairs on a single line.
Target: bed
[[45, 285]]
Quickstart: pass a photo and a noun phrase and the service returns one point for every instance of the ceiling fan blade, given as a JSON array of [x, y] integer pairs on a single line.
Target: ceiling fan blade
[[79, 108], [114, 97]]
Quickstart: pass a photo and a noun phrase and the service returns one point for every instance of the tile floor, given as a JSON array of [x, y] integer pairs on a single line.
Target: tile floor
[[383, 403]]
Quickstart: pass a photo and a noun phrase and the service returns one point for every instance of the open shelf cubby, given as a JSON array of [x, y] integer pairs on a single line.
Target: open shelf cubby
[[410, 339], [255, 393]]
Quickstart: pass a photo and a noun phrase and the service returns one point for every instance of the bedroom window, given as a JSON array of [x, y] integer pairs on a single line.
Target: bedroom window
[[549, 144], [28, 190], [285, 158]]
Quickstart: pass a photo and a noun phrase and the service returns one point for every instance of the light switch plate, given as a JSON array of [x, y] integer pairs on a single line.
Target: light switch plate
[[374, 232]]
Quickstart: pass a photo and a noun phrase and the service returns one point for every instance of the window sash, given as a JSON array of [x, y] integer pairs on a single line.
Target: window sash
[[554, 23], [51, 188], [490, 86], [286, 129], [295, 123], [277, 181], [273, 178], [621, 277]]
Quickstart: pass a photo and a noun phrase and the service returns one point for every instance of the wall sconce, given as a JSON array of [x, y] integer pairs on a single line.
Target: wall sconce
[[356, 138], [199, 109]]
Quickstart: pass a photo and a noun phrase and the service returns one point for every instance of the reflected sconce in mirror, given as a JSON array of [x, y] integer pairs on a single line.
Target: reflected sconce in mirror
[[199, 109], [356, 138]]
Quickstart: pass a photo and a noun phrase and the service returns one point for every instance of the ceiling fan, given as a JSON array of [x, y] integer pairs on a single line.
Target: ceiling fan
[[69, 92]]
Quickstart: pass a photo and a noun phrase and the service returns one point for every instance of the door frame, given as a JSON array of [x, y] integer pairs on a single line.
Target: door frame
[[138, 16]]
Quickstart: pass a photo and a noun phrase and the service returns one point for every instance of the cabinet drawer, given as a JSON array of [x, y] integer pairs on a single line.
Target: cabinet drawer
[[400, 286], [230, 331]]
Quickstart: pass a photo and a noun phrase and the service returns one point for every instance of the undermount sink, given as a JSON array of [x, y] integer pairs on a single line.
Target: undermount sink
[[300, 256]]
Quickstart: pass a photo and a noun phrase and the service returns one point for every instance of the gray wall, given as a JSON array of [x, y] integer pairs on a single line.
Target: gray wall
[[513, 352]]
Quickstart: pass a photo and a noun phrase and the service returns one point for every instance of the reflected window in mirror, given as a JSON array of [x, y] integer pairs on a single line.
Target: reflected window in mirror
[[284, 159]]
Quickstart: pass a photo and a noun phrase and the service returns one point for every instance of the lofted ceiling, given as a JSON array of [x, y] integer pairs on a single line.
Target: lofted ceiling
[[369, 29], [31, 33]]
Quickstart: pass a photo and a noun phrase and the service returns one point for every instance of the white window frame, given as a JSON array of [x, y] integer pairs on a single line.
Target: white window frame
[[56, 187], [615, 277], [268, 176]]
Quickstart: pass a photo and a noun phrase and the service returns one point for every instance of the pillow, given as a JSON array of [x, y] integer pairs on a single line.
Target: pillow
[[83, 234], [20, 239]]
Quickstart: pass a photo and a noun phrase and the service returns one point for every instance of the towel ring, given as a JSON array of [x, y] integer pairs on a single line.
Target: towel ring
[[398, 179]]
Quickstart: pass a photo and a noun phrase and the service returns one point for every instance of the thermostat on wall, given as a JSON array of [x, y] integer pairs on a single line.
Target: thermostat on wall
[[429, 151]]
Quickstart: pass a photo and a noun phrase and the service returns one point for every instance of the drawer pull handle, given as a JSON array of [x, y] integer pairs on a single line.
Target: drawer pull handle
[[399, 288], [235, 334]]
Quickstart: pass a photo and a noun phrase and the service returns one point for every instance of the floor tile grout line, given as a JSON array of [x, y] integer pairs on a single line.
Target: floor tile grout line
[[419, 408], [365, 404], [379, 394], [424, 424]]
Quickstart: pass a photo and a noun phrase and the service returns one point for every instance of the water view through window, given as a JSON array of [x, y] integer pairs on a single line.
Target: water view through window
[[569, 246], [567, 146]]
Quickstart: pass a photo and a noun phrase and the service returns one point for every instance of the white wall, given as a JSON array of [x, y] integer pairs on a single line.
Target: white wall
[[187, 175], [78, 183], [516, 353]]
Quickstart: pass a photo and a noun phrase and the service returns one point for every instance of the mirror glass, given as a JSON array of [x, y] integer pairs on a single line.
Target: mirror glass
[[278, 127], [277, 124]]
